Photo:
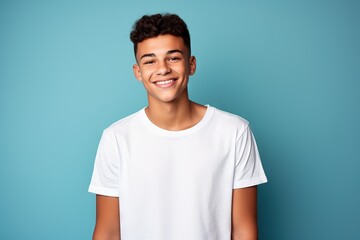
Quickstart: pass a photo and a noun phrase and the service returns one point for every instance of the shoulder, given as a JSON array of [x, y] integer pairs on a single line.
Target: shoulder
[[229, 120], [124, 123]]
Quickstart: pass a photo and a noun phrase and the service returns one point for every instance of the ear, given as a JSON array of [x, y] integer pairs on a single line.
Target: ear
[[137, 72], [192, 65]]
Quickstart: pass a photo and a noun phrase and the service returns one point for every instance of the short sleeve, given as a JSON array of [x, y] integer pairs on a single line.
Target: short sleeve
[[105, 177], [248, 167]]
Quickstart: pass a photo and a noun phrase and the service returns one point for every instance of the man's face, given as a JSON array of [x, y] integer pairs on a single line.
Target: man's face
[[164, 66]]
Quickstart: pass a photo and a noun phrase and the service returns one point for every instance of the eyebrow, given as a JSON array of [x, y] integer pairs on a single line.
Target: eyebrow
[[168, 52]]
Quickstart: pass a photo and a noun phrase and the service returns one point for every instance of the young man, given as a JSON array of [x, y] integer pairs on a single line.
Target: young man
[[175, 169]]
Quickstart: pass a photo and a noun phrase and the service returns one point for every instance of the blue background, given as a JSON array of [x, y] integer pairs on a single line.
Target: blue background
[[290, 67]]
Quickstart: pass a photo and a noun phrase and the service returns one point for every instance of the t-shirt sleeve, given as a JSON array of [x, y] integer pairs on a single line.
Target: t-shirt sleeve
[[248, 167], [105, 178]]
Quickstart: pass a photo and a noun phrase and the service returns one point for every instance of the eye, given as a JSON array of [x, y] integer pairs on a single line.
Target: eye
[[174, 59], [148, 62]]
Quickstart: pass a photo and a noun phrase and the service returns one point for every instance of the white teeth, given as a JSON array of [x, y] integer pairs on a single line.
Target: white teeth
[[164, 82]]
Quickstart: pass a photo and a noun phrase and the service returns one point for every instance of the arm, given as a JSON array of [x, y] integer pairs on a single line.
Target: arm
[[244, 211], [107, 225]]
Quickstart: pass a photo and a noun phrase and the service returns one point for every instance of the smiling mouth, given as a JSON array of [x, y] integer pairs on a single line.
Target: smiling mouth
[[164, 82]]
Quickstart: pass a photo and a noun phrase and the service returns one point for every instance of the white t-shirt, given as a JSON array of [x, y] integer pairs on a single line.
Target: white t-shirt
[[176, 184]]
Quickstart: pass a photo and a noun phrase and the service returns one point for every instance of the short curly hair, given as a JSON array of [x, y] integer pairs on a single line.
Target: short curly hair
[[150, 26]]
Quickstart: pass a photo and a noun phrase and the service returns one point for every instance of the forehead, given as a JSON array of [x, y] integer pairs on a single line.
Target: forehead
[[160, 45]]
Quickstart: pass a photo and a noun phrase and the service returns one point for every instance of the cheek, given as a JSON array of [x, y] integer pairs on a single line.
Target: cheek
[[147, 74], [181, 69]]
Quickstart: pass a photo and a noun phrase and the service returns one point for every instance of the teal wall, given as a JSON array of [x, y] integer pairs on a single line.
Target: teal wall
[[290, 67]]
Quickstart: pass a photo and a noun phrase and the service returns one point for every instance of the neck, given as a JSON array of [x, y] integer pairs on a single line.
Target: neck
[[176, 115]]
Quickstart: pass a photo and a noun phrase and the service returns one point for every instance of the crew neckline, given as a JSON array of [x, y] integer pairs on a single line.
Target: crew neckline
[[177, 133]]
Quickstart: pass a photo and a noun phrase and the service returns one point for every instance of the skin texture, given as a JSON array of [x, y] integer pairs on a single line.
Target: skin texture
[[165, 58], [107, 225], [244, 214]]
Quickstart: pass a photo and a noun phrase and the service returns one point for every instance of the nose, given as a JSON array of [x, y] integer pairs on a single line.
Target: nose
[[162, 68]]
